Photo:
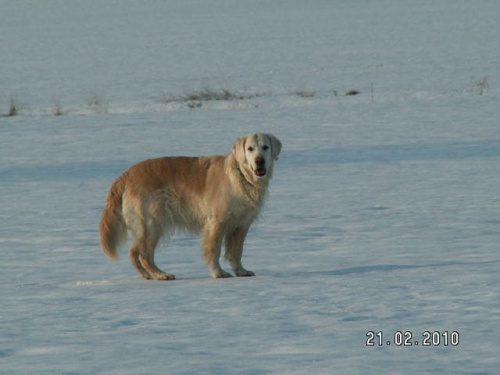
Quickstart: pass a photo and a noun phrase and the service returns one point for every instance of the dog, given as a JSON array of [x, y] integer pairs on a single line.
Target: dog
[[217, 197]]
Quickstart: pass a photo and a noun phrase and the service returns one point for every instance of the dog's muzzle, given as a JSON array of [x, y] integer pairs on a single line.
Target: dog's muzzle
[[260, 169]]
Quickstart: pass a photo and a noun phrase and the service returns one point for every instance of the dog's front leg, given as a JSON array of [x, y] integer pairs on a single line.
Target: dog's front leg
[[234, 251], [211, 242]]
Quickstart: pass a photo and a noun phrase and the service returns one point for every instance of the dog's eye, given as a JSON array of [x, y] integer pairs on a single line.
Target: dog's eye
[[250, 149], [265, 147]]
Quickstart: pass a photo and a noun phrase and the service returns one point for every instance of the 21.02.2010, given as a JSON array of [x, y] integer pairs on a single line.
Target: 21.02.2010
[[407, 338]]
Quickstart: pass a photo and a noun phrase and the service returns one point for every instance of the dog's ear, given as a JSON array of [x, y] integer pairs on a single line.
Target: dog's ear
[[275, 146], [238, 150]]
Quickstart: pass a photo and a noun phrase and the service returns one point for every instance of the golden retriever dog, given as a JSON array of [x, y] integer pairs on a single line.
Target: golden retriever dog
[[217, 197]]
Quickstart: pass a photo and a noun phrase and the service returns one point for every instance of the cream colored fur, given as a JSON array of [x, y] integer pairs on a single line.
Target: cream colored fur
[[217, 197]]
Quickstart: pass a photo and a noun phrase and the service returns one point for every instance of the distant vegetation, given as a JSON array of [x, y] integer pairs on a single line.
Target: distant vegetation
[[305, 93], [482, 85], [96, 104], [198, 98], [352, 93], [195, 99], [13, 107]]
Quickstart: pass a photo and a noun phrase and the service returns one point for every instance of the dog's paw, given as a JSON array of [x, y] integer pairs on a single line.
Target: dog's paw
[[221, 274], [244, 273], [164, 276]]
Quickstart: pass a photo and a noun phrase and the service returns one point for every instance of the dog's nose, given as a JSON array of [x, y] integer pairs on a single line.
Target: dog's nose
[[260, 161]]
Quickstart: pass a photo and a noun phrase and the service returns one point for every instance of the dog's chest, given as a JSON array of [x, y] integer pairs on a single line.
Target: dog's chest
[[242, 210]]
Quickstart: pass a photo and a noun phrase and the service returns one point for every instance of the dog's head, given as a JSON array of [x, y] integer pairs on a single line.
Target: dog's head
[[256, 153]]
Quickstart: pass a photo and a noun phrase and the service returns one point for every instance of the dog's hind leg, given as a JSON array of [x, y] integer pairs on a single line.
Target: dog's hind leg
[[134, 254], [142, 253], [147, 228], [146, 257], [146, 222]]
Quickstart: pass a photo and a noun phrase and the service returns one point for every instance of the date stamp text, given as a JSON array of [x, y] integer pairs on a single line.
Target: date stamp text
[[408, 338]]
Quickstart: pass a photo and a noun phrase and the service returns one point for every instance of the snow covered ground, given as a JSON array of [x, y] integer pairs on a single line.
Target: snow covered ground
[[383, 215]]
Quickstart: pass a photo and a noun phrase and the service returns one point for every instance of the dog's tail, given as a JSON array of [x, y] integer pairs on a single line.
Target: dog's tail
[[112, 226]]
